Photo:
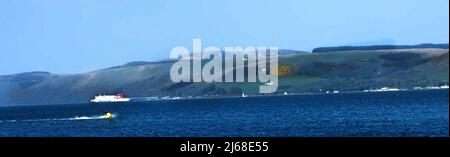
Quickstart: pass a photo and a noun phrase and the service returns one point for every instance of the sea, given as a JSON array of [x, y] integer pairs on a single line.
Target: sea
[[359, 114]]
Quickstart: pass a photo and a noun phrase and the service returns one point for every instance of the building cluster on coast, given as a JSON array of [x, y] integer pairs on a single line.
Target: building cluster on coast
[[383, 89]]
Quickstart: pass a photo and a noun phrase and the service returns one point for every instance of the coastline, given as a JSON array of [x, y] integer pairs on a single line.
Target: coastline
[[231, 97], [292, 94]]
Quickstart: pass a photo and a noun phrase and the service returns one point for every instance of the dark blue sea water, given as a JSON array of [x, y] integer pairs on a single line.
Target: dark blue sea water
[[412, 113]]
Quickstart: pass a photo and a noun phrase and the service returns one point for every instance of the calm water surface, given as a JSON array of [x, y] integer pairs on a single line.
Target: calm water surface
[[412, 113]]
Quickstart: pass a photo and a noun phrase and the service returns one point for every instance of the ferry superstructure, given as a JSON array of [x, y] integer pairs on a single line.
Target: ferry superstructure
[[110, 98]]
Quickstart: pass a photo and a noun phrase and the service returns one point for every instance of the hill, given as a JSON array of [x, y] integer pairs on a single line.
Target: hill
[[379, 47], [308, 72]]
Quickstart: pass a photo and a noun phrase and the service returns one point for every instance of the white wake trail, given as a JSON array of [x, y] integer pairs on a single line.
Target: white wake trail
[[60, 119]]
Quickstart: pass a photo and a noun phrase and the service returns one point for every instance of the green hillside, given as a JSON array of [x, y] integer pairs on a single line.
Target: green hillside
[[309, 72]]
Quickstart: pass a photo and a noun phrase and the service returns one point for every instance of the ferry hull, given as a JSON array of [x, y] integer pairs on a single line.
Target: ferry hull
[[117, 100]]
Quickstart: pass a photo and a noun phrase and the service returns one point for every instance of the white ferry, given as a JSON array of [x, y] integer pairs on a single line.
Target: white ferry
[[110, 98]]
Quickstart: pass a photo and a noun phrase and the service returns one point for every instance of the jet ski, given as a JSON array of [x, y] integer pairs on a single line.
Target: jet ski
[[108, 115]]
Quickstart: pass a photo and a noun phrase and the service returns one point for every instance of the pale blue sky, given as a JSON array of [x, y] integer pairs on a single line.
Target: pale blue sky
[[74, 36]]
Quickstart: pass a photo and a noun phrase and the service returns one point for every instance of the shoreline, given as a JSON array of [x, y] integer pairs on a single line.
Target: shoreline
[[289, 94], [226, 97]]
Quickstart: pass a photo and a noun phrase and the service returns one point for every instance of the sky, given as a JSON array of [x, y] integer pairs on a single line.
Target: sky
[[76, 36]]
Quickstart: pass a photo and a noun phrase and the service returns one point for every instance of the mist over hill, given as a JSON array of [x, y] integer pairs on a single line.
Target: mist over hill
[[343, 69]]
